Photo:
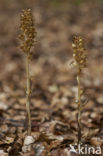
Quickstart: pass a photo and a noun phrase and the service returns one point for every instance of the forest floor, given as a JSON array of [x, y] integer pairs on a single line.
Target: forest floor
[[54, 86]]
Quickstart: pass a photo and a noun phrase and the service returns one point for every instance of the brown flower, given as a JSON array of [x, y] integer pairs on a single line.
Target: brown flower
[[79, 55], [28, 32]]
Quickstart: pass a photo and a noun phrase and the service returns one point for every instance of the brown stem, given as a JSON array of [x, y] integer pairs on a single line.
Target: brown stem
[[28, 94], [79, 109]]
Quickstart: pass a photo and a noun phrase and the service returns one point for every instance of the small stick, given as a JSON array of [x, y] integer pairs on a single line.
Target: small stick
[[28, 94], [79, 109]]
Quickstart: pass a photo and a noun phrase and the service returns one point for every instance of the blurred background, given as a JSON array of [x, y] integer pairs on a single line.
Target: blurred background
[[56, 23]]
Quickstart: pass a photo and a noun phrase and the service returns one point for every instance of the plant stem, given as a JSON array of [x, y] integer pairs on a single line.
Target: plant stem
[[79, 109], [28, 94]]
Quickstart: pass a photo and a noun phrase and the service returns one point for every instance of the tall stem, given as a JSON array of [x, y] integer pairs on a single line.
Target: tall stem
[[79, 109], [28, 94]]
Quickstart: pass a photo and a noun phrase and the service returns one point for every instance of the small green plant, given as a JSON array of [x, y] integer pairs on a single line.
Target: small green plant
[[80, 60], [27, 39]]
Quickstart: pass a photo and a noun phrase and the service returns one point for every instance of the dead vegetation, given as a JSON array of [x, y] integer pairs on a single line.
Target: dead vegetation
[[53, 107]]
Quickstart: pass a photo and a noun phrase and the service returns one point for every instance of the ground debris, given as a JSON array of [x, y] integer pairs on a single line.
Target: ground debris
[[53, 106]]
